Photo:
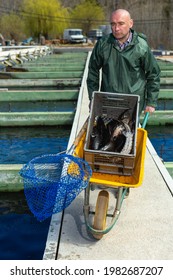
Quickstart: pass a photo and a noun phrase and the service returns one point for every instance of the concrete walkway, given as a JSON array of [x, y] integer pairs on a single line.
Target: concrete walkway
[[143, 230]]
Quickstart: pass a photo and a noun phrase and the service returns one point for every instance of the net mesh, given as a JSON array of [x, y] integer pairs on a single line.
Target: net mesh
[[52, 182]]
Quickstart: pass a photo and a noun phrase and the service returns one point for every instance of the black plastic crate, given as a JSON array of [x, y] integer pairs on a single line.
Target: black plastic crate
[[112, 105]]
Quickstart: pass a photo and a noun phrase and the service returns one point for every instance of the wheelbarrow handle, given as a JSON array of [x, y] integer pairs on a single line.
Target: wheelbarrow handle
[[145, 119]]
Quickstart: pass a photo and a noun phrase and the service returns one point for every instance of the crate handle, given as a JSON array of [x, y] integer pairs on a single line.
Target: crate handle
[[114, 98], [118, 107]]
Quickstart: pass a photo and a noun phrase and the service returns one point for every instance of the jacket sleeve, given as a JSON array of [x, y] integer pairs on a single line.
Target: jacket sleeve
[[152, 72], [95, 64]]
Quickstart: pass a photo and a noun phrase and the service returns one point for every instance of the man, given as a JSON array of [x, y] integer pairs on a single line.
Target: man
[[127, 63]]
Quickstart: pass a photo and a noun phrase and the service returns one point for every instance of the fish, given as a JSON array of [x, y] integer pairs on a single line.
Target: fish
[[119, 143], [98, 136], [129, 140], [95, 139], [128, 144], [114, 130], [109, 146], [117, 139], [121, 139], [127, 132], [124, 116], [113, 135], [118, 130], [111, 126], [115, 145]]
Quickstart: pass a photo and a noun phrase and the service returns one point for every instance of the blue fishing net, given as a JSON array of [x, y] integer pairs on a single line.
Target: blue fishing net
[[52, 182]]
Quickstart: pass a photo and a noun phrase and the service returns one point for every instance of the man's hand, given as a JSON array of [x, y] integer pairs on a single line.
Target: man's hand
[[149, 109]]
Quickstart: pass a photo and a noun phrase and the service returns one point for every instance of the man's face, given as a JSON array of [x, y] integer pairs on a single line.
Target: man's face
[[120, 25]]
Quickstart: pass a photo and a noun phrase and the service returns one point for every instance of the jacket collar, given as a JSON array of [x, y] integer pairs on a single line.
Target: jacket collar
[[111, 38]]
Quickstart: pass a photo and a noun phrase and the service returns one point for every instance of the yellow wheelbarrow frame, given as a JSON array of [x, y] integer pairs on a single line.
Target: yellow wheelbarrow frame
[[120, 182]]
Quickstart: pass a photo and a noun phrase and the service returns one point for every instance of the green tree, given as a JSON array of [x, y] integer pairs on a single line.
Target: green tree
[[87, 15], [12, 27], [46, 17]]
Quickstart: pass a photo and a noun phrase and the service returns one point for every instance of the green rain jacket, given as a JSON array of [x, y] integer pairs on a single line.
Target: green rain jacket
[[133, 70]]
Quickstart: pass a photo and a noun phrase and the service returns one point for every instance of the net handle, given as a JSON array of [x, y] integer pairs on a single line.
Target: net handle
[[77, 139], [81, 132]]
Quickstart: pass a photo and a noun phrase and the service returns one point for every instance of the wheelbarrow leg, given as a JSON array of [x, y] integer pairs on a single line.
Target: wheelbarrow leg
[[86, 207], [120, 197]]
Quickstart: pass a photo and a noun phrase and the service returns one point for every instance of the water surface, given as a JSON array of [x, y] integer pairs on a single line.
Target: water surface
[[162, 139], [22, 237]]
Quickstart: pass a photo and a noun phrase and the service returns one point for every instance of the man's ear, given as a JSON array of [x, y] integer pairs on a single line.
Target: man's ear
[[131, 23]]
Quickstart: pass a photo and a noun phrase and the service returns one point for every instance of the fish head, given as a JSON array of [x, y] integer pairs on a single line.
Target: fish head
[[125, 116]]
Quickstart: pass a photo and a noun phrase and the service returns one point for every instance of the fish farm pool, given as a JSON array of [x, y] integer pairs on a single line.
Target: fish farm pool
[[161, 139], [20, 145], [22, 237]]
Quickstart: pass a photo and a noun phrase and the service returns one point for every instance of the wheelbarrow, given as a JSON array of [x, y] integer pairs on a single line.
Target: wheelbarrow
[[110, 182]]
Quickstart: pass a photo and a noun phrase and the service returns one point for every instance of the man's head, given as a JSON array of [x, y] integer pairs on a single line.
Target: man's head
[[121, 23]]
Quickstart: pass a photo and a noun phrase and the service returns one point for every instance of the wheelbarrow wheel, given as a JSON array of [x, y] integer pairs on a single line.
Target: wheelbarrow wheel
[[100, 213]]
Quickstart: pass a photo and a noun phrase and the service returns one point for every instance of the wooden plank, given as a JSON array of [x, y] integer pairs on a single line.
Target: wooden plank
[[166, 94], [169, 167], [49, 68], [10, 180], [51, 59], [41, 75], [67, 55], [44, 95], [51, 63], [159, 118], [166, 81], [22, 83], [166, 73], [36, 118], [165, 66]]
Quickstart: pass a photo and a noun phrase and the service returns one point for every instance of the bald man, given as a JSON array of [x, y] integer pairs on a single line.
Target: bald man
[[127, 63]]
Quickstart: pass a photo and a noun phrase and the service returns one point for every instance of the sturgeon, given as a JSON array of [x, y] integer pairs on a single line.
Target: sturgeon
[[129, 140]]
